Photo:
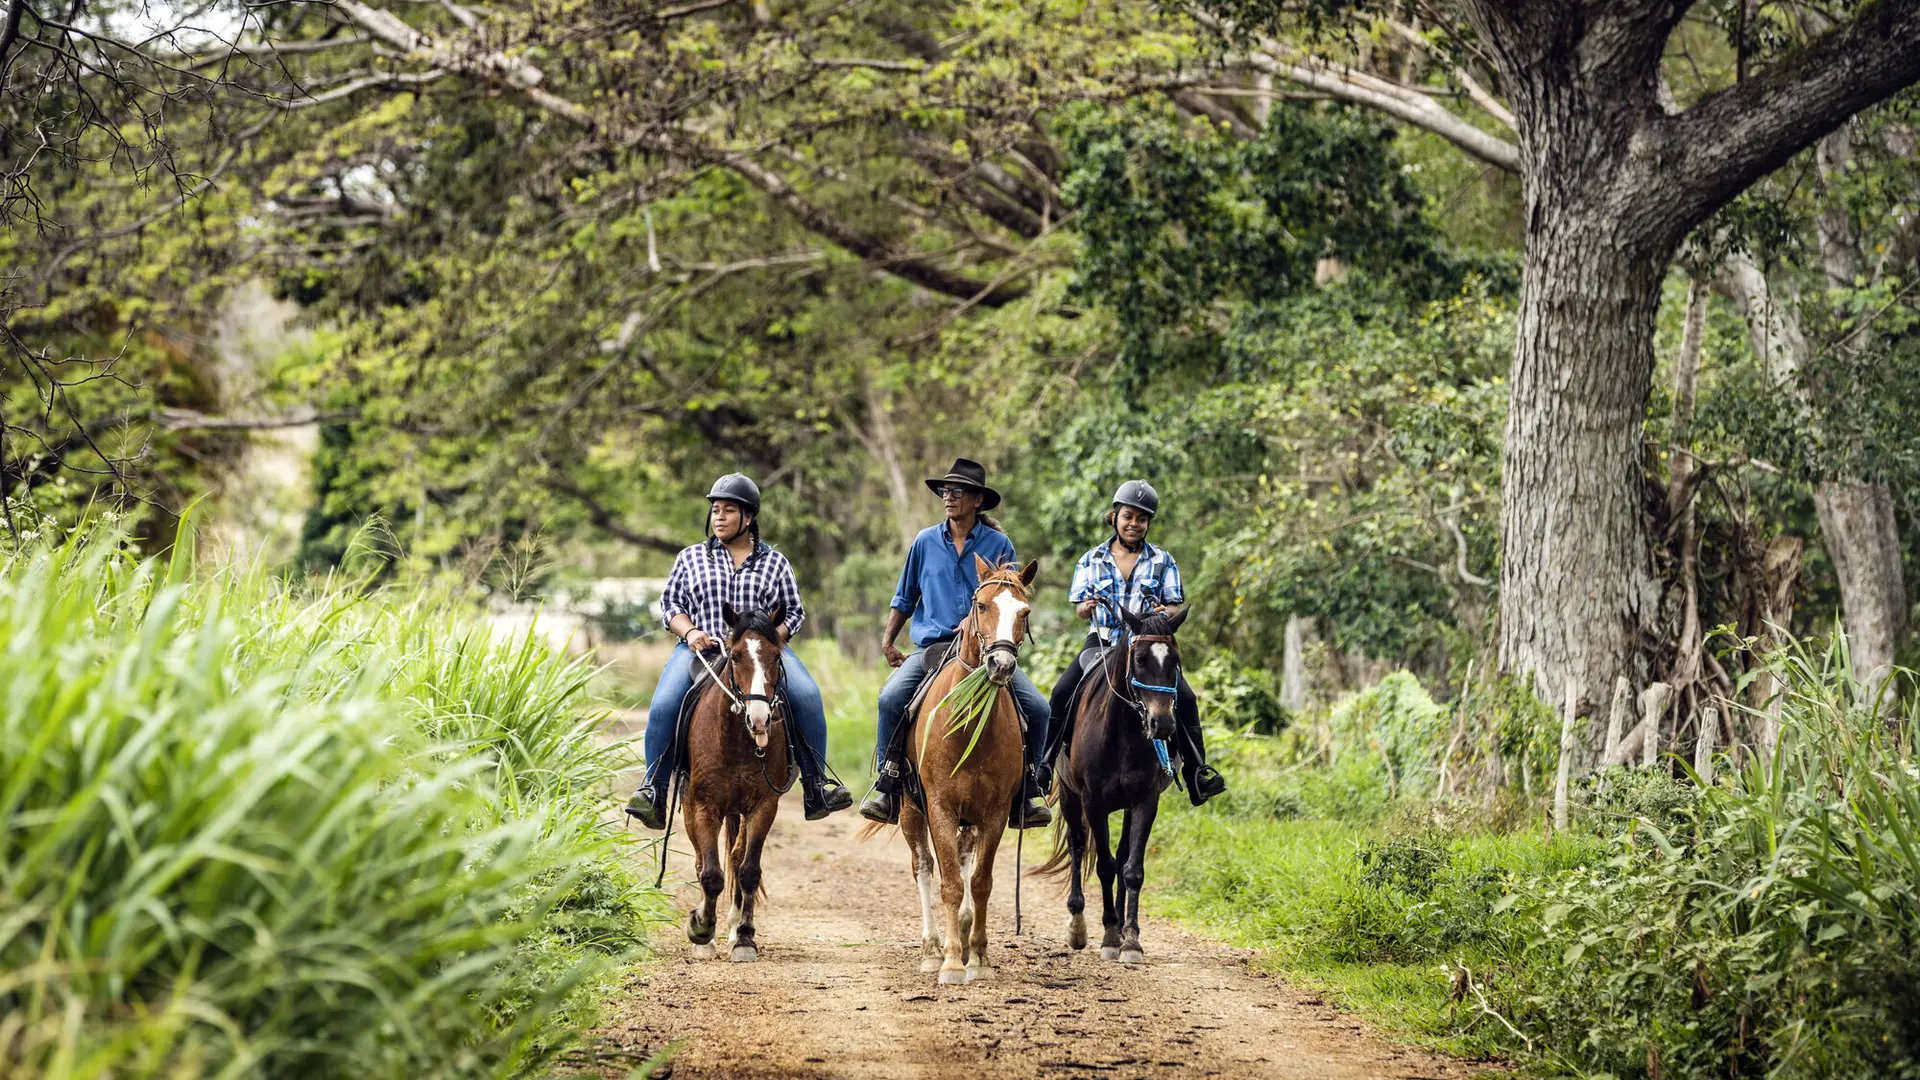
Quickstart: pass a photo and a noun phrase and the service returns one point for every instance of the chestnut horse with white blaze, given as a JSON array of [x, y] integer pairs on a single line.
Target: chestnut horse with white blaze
[[968, 792], [737, 734]]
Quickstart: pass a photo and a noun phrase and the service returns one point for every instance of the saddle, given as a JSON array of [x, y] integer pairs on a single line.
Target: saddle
[[939, 654]]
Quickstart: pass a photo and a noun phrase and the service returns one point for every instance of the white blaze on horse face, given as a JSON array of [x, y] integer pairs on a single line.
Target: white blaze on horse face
[[759, 713], [1010, 608], [1160, 653]]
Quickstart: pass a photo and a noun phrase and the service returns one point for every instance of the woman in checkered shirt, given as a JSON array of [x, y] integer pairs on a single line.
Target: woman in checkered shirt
[[1128, 572], [733, 566]]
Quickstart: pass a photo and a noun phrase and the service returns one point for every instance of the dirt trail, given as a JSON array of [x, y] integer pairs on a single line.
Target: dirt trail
[[838, 991]]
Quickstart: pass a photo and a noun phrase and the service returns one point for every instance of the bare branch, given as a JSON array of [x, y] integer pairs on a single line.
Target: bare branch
[[602, 517]]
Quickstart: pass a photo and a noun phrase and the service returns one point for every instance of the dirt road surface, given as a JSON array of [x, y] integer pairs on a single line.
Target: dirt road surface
[[838, 991]]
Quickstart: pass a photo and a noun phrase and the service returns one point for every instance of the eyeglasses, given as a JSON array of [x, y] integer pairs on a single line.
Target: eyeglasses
[[952, 492]]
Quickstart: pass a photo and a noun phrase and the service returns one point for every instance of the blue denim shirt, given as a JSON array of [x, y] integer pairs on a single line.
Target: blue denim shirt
[[936, 586]]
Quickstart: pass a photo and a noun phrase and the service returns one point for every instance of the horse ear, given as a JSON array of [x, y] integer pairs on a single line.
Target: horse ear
[[1178, 617], [981, 567], [778, 615], [731, 614], [1031, 571], [1132, 620]]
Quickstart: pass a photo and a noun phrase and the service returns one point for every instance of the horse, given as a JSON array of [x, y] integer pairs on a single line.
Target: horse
[[737, 732], [1111, 763], [958, 831]]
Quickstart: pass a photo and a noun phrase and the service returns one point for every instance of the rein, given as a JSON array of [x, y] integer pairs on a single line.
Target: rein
[[740, 700], [1159, 745]]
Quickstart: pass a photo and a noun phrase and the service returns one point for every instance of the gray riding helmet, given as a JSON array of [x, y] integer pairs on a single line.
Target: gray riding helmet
[[737, 488], [1138, 494]]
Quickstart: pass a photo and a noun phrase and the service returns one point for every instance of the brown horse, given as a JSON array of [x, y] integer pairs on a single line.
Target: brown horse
[[966, 807], [737, 769], [1110, 764]]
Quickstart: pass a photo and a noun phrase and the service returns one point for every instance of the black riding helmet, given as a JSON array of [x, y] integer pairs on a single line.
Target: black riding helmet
[[737, 488], [1138, 494]]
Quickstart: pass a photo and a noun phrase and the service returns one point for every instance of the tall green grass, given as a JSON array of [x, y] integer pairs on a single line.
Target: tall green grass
[[253, 828], [1767, 924]]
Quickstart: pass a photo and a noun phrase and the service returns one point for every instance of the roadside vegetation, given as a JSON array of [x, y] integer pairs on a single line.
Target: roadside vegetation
[[1765, 923], [255, 828]]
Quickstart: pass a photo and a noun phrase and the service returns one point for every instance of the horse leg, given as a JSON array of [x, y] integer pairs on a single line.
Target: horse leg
[[1073, 817], [1103, 863], [926, 875], [702, 832], [746, 878], [1133, 875], [945, 832], [968, 845], [736, 842], [978, 965]]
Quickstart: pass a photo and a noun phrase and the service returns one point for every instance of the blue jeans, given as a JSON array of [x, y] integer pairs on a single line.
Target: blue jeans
[[905, 682], [801, 692]]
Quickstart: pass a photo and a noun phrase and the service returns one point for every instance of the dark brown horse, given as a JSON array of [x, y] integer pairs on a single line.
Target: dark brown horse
[[737, 769], [1111, 763], [967, 801]]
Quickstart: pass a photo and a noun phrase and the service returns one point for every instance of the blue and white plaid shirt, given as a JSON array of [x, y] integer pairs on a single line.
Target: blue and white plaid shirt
[[704, 579], [1155, 581]]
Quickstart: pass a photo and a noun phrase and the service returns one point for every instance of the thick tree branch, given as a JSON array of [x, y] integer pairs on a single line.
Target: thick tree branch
[[1396, 101], [603, 518], [1718, 148], [496, 67]]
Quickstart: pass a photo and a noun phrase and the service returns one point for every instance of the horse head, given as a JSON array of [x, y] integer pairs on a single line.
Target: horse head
[[999, 615], [1153, 667], [753, 653]]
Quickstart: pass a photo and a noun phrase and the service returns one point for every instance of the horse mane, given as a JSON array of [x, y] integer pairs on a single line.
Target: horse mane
[[1006, 573], [756, 622], [1156, 624]]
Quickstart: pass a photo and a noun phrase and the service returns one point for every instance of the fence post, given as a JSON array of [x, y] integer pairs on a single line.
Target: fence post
[[1563, 777], [1616, 720], [1654, 704], [1703, 746]]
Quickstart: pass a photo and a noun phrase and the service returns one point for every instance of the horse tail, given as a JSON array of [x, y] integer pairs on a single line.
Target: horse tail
[[872, 829], [1060, 861]]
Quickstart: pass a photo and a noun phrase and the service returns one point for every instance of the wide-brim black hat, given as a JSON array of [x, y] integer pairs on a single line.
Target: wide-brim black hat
[[973, 475]]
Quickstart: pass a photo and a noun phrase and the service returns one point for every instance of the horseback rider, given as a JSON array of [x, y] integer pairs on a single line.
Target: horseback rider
[[733, 566], [936, 590], [1133, 574]]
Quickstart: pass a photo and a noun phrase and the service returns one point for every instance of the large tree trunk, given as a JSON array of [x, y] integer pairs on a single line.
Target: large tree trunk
[[1578, 595]]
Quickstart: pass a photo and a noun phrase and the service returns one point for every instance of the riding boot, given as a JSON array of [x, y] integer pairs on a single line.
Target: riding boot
[[1028, 811], [1203, 780], [818, 794], [883, 806], [649, 804]]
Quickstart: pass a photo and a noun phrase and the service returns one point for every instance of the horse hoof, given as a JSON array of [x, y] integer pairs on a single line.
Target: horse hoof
[[928, 967], [744, 954], [1132, 956], [1109, 952], [704, 951], [1076, 935], [979, 973], [953, 976]]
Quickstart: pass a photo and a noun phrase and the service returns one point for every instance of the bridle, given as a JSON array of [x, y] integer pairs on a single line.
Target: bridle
[[987, 648], [740, 698]]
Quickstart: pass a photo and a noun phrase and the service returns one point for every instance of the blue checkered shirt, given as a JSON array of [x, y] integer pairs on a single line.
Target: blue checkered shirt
[[704, 579], [1155, 581]]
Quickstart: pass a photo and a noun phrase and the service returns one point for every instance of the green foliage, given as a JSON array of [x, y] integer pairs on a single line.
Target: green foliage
[[265, 830], [1396, 720], [1238, 697]]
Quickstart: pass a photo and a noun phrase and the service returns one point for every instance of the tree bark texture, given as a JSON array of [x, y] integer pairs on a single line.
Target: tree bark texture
[[1613, 182]]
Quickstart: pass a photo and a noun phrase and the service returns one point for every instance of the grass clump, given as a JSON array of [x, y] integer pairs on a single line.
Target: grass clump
[[255, 829]]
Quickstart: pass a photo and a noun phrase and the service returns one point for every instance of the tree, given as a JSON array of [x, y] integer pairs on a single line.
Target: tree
[[1616, 176]]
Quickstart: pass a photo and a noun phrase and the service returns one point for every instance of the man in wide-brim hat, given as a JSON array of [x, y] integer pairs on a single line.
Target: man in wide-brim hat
[[935, 591]]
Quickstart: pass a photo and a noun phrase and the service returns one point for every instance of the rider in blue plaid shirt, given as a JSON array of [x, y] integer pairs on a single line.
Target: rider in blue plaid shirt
[[732, 566], [1133, 574]]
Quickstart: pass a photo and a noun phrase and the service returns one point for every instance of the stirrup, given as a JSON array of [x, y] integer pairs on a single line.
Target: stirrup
[[1029, 814], [822, 797], [1204, 783], [649, 806], [882, 807]]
